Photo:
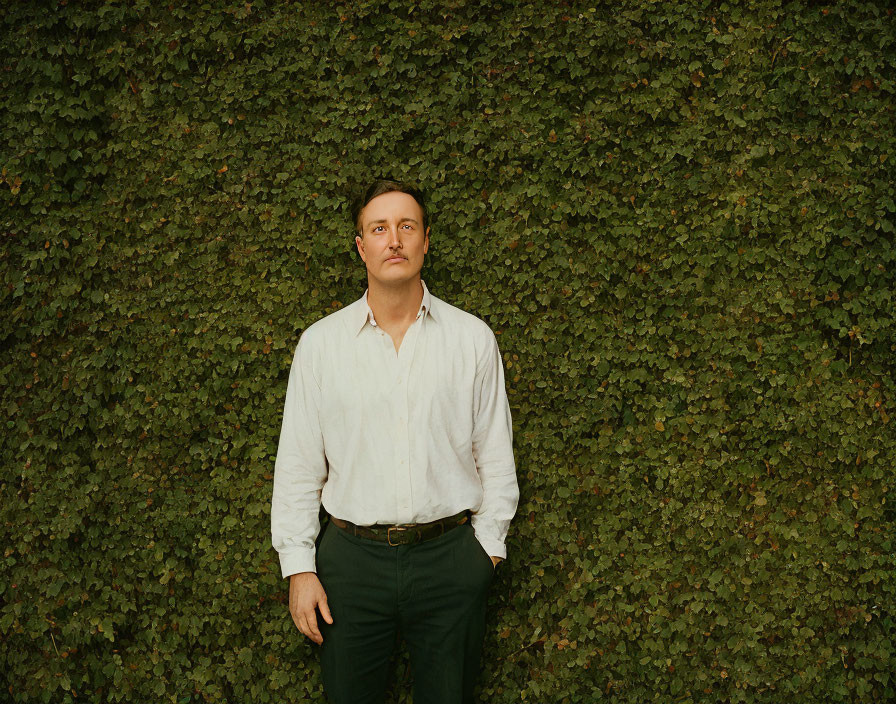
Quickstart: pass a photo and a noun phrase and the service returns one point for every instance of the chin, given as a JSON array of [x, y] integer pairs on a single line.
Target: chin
[[395, 277]]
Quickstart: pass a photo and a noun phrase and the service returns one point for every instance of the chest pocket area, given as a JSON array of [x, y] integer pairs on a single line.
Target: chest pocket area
[[445, 391]]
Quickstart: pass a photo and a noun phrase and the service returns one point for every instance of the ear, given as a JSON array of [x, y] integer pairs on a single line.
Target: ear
[[426, 241], [359, 243]]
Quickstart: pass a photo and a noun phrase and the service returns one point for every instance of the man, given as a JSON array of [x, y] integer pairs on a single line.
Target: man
[[397, 421]]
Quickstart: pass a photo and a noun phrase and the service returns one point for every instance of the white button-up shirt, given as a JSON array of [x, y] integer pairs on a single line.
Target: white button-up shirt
[[383, 437]]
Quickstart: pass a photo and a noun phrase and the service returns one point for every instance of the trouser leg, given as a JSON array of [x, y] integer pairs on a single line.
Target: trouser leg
[[359, 579], [442, 614]]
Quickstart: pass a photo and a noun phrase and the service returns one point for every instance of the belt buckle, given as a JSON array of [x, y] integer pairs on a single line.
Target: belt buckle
[[399, 527]]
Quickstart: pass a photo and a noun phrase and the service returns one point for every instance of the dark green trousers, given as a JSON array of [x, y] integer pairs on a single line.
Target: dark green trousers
[[433, 592]]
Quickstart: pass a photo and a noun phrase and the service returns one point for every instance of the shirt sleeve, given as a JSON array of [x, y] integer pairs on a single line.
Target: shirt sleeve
[[493, 453], [300, 470]]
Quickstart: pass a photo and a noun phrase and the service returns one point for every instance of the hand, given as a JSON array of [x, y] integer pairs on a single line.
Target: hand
[[305, 594]]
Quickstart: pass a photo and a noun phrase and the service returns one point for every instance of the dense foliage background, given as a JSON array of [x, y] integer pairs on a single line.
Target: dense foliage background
[[677, 216]]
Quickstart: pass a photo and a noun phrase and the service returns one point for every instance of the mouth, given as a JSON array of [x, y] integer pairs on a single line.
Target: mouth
[[396, 259]]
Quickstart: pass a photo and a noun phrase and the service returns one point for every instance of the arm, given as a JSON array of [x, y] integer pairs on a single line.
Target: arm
[[300, 472], [493, 453]]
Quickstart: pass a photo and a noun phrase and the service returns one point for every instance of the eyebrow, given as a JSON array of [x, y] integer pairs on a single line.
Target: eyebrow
[[380, 222]]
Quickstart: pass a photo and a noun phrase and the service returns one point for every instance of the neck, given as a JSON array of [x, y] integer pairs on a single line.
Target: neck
[[395, 304]]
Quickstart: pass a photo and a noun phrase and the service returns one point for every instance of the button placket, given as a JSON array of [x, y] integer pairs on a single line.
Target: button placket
[[404, 362], [404, 465]]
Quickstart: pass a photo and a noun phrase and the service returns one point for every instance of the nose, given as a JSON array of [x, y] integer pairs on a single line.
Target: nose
[[394, 240]]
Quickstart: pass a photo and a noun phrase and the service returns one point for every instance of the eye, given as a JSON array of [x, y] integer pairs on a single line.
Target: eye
[[407, 224]]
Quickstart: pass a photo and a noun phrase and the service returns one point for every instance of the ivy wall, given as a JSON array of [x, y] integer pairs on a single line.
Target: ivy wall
[[678, 217]]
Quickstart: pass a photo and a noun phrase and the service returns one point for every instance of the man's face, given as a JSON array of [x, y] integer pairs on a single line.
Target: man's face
[[393, 242]]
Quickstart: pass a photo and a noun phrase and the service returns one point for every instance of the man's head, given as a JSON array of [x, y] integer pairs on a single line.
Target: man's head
[[379, 187], [392, 231]]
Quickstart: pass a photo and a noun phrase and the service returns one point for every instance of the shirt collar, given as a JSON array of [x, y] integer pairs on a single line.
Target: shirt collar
[[365, 315]]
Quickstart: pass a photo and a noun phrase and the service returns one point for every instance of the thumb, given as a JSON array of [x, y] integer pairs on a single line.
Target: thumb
[[325, 610]]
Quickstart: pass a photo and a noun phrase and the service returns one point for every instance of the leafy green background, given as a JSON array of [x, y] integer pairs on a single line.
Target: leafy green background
[[677, 216]]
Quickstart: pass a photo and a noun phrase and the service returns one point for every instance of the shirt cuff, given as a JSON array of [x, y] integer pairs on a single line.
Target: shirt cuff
[[493, 548], [298, 561]]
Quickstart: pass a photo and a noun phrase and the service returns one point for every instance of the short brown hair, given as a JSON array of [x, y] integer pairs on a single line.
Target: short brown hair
[[379, 187]]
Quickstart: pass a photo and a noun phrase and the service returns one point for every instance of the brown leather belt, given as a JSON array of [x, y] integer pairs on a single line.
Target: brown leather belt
[[404, 533]]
